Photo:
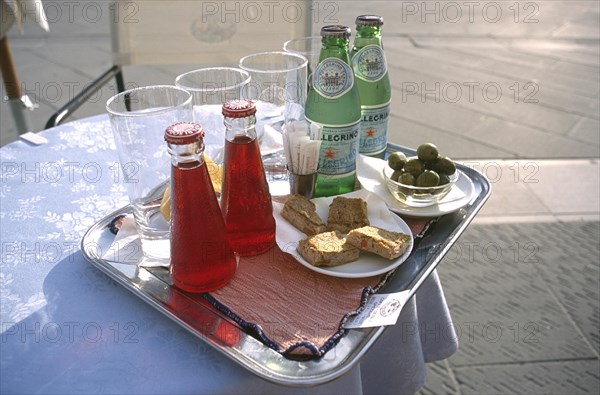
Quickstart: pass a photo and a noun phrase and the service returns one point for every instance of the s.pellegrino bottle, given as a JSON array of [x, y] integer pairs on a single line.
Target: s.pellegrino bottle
[[333, 103], [373, 83]]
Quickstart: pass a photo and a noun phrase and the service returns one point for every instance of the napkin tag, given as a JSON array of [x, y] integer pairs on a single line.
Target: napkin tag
[[33, 138], [381, 310]]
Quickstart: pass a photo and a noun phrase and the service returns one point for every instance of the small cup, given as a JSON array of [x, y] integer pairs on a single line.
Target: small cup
[[302, 184]]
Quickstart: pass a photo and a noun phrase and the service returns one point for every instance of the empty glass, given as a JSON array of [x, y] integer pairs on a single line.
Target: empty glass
[[309, 47], [278, 85], [210, 88], [139, 118]]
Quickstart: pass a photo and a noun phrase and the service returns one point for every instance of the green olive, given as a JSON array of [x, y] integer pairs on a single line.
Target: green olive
[[397, 160], [444, 166], [396, 175], [427, 152], [414, 167], [407, 179], [444, 179], [428, 178]]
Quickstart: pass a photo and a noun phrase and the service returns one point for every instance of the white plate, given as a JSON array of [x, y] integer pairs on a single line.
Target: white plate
[[370, 175], [368, 264]]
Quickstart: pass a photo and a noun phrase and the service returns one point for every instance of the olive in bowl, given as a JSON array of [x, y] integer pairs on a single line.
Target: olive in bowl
[[423, 180]]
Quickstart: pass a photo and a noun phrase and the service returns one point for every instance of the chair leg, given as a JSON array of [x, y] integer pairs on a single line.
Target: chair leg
[[20, 105], [121, 88], [59, 116], [120, 81]]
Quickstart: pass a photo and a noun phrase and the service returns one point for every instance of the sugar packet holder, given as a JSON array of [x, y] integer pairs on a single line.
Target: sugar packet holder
[[301, 144]]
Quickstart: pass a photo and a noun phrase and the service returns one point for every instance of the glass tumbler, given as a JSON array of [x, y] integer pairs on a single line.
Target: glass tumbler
[[309, 47], [278, 86], [210, 88], [138, 118]]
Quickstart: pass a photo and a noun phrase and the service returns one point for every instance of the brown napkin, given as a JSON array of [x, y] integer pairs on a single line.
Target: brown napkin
[[291, 308]]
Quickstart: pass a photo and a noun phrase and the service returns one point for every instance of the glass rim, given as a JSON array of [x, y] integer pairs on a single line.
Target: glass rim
[[297, 40], [244, 73], [304, 61], [118, 96]]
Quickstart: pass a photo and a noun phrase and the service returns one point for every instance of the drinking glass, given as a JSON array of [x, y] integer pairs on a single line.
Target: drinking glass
[[309, 47], [139, 118], [210, 88], [278, 85]]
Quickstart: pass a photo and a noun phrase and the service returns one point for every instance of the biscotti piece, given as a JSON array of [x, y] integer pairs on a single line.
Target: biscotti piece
[[327, 249], [382, 242], [346, 214], [301, 213]]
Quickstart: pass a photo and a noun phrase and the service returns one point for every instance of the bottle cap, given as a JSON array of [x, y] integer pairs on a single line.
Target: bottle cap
[[238, 108], [184, 133], [335, 31], [369, 20]]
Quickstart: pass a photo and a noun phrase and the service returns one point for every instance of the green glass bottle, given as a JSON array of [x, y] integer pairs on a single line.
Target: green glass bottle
[[333, 102], [373, 83]]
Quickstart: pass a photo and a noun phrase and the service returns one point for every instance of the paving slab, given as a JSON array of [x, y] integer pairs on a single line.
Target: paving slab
[[566, 186], [578, 58], [510, 195], [509, 100], [51, 68], [587, 130], [545, 95], [505, 67], [563, 66], [550, 378], [443, 18], [439, 379], [450, 118], [527, 142], [566, 57], [535, 189], [411, 134], [68, 19], [502, 309], [542, 118], [68, 54], [572, 273], [439, 115]]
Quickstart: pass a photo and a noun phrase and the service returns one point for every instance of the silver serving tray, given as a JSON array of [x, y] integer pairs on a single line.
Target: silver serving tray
[[196, 315]]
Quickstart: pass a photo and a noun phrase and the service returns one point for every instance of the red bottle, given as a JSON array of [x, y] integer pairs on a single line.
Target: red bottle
[[245, 199], [201, 258]]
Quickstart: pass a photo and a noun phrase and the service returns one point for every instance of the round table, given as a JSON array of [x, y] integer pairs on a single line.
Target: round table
[[67, 328]]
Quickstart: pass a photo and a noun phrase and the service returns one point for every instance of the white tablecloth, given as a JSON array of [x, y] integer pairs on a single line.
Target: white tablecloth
[[68, 328]]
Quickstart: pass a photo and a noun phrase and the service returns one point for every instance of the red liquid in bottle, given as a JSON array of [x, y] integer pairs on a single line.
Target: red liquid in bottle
[[201, 258], [246, 200]]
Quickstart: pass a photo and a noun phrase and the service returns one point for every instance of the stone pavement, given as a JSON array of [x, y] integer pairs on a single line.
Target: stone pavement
[[511, 88]]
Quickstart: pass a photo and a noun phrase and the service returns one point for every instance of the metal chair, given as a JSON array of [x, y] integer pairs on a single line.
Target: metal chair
[[17, 11], [199, 33]]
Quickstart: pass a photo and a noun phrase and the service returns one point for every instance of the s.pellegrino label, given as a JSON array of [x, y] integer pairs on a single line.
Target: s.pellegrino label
[[373, 129], [333, 78], [369, 63], [339, 149]]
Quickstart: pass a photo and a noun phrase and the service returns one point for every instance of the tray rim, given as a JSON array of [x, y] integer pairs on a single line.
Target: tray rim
[[352, 346]]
